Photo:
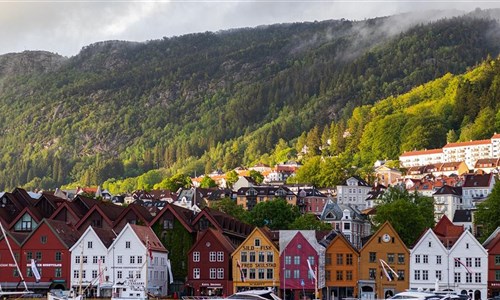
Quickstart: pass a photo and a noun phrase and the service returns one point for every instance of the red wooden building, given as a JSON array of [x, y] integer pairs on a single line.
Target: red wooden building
[[209, 265], [49, 245], [492, 244]]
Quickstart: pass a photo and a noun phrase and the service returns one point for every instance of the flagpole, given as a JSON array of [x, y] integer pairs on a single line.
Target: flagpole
[[316, 283]]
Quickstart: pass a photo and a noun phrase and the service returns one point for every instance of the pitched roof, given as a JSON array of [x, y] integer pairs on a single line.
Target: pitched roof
[[146, 235], [462, 216], [422, 152], [68, 235], [469, 143], [493, 239], [477, 180], [449, 190], [447, 232], [182, 214], [106, 236]]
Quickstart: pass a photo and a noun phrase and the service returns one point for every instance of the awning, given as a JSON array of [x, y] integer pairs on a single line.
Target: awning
[[20, 286]]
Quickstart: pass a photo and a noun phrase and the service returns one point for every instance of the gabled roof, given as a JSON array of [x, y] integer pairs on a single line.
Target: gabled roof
[[426, 233], [493, 239], [146, 235], [335, 236], [487, 163], [449, 190], [447, 232], [265, 232], [97, 209], [71, 208], [66, 234], [463, 236], [223, 222], [217, 236], [106, 236], [310, 192], [386, 226], [477, 180], [32, 211], [140, 211], [286, 236], [184, 215], [361, 182]]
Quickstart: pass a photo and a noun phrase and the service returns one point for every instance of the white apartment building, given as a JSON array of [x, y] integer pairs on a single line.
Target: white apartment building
[[476, 188], [447, 199], [353, 192], [468, 152]]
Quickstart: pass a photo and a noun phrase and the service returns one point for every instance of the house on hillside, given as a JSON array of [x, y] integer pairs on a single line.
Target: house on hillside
[[354, 192]]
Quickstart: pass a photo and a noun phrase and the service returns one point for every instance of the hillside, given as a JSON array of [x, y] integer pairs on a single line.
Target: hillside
[[212, 100]]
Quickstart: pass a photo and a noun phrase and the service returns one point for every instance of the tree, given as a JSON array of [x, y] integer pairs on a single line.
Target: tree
[[257, 176], [486, 215], [309, 222], [408, 213], [275, 214], [174, 183], [207, 182], [229, 206], [231, 178]]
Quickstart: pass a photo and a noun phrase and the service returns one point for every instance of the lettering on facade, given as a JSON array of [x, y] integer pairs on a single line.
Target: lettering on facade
[[212, 284], [258, 265], [42, 265]]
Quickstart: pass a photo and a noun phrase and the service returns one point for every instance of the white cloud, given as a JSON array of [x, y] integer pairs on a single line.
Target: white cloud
[[65, 27]]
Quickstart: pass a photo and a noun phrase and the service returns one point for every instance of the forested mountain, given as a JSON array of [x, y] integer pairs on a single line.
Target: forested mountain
[[219, 100]]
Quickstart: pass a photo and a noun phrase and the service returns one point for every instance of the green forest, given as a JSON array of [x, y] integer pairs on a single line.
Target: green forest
[[132, 115]]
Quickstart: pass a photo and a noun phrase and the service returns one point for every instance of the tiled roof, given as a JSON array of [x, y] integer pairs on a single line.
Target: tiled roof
[[146, 234], [422, 152], [107, 236], [462, 216], [449, 190], [477, 180], [470, 143], [67, 234]]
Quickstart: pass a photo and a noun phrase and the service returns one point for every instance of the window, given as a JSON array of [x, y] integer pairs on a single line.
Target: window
[[243, 257], [85, 259], [296, 274], [372, 273], [212, 256], [287, 274], [251, 273], [328, 274], [57, 272], [43, 238], [58, 256], [477, 262], [401, 275], [497, 260], [29, 256], [120, 259], [468, 262], [262, 274], [95, 259], [252, 256], [213, 273], [77, 259], [270, 257], [340, 258], [76, 274], [137, 274], [288, 260], [132, 259], [438, 275], [127, 245], [390, 258], [348, 275], [328, 259], [103, 259], [417, 258], [425, 275], [468, 277], [89, 244], [401, 258], [417, 275], [139, 259], [373, 257], [348, 259], [347, 226], [457, 262], [257, 242], [478, 277], [296, 260], [119, 274], [168, 224], [262, 257], [438, 259], [311, 260], [196, 256], [94, 274], [457, 277], [220, 273], [270, 273], [196, 273], [426, 258], [220, 256], [340, 275], [497, 275]]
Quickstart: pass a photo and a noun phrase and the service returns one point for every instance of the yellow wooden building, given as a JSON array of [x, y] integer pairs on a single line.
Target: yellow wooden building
[[256, 262]]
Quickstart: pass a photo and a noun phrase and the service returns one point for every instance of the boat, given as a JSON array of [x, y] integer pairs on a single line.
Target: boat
[[13, 293], [128, 291], [63, 295], [260, 294], [416, 296]]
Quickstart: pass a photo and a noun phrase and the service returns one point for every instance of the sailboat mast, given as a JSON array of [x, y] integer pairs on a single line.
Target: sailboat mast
[[147, 264], [81, 270], [13, 256]]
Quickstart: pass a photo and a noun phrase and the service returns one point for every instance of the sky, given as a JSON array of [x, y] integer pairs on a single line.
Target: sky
[[64, 26]]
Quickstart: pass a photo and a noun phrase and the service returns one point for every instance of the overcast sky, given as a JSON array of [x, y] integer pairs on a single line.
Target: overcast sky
[[65, 27]]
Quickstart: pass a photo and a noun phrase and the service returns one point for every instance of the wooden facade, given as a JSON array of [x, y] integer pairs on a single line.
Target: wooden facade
[[384, 246], [256, 262], [341, 269], [209, 265]]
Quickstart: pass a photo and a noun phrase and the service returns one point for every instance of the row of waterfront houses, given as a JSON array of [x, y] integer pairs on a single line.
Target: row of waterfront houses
[[210, 253]]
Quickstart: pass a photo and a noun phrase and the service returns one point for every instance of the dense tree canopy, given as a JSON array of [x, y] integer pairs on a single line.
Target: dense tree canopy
[[274, 214], [488, 212]]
